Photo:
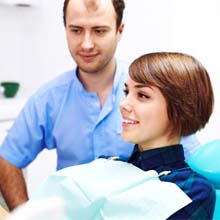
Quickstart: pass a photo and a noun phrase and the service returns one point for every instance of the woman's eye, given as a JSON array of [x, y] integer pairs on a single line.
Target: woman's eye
[[125, 91], [143, 96]]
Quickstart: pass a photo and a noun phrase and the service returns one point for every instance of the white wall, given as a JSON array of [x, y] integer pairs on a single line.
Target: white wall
[[33, 47], [32, 42]]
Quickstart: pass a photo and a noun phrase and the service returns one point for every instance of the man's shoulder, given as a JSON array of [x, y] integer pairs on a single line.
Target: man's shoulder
[[54, 90], [63, 79], [122, 65], [57, 84], [121, 71]]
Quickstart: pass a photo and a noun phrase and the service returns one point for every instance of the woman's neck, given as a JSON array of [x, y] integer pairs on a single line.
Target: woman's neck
[[163, 142]]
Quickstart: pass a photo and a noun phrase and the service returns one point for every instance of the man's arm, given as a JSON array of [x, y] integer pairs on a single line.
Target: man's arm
[[12, 184]]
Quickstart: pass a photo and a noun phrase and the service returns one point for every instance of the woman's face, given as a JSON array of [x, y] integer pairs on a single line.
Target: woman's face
[[144, 112]]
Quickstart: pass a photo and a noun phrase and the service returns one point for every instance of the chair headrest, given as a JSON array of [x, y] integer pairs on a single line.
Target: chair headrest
[[206, 161]]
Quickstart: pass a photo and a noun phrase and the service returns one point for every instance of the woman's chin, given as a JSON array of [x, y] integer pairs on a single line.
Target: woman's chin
[[126, 137]]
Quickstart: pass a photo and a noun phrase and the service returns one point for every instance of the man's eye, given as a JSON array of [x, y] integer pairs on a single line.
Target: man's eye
[[125, 91], [100, 31], [76, 31]]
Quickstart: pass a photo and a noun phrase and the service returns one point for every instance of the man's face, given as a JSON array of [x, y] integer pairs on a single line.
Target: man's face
[[91, 34]]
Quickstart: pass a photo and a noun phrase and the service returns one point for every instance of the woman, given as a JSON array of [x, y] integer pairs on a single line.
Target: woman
[[169, 95]]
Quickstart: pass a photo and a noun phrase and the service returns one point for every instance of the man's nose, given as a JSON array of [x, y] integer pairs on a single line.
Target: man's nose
[[87, 43]]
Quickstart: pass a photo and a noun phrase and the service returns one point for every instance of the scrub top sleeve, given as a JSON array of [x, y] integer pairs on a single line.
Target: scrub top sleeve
[[26, 137]]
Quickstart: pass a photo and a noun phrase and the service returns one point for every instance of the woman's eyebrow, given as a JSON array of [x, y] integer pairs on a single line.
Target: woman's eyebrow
[[139, 86]]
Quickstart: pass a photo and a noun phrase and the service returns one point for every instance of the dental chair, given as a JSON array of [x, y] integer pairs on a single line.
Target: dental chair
[[206, 161]]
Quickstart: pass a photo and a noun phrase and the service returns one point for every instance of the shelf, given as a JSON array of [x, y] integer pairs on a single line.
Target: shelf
[[10, 108]]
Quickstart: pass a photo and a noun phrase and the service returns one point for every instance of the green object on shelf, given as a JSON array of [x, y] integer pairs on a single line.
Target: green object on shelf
[[10, 89]]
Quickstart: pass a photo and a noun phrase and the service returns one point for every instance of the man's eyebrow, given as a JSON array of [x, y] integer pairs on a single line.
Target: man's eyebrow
[[73, 26], [102, 26]]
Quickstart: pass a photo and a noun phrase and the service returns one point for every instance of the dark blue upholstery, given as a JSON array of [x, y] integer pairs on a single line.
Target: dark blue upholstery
[[206, 161]]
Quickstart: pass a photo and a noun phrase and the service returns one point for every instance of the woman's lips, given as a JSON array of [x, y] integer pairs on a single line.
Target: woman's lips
[[127, 122]]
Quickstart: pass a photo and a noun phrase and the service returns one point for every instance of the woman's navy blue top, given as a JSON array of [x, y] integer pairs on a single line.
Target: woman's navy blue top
[[197, 187]]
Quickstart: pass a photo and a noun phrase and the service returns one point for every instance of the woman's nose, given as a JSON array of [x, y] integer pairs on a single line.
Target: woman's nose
[[125, 105]]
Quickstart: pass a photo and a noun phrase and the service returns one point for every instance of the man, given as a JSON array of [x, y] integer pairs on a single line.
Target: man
[[77, 113]]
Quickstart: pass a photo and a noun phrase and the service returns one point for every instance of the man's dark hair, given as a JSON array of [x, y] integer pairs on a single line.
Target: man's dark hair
[[119, 6]]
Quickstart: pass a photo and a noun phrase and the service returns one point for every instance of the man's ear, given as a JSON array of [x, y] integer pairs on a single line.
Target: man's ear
[[120, 31], [121, 28]]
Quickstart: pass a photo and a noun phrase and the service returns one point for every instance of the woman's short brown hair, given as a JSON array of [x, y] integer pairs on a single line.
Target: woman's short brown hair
[[185, 84]]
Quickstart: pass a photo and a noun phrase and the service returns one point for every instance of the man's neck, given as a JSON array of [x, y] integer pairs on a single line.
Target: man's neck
[[100, 82]]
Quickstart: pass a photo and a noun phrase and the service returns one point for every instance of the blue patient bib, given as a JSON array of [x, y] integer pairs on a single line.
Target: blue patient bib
[[106, 189]]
